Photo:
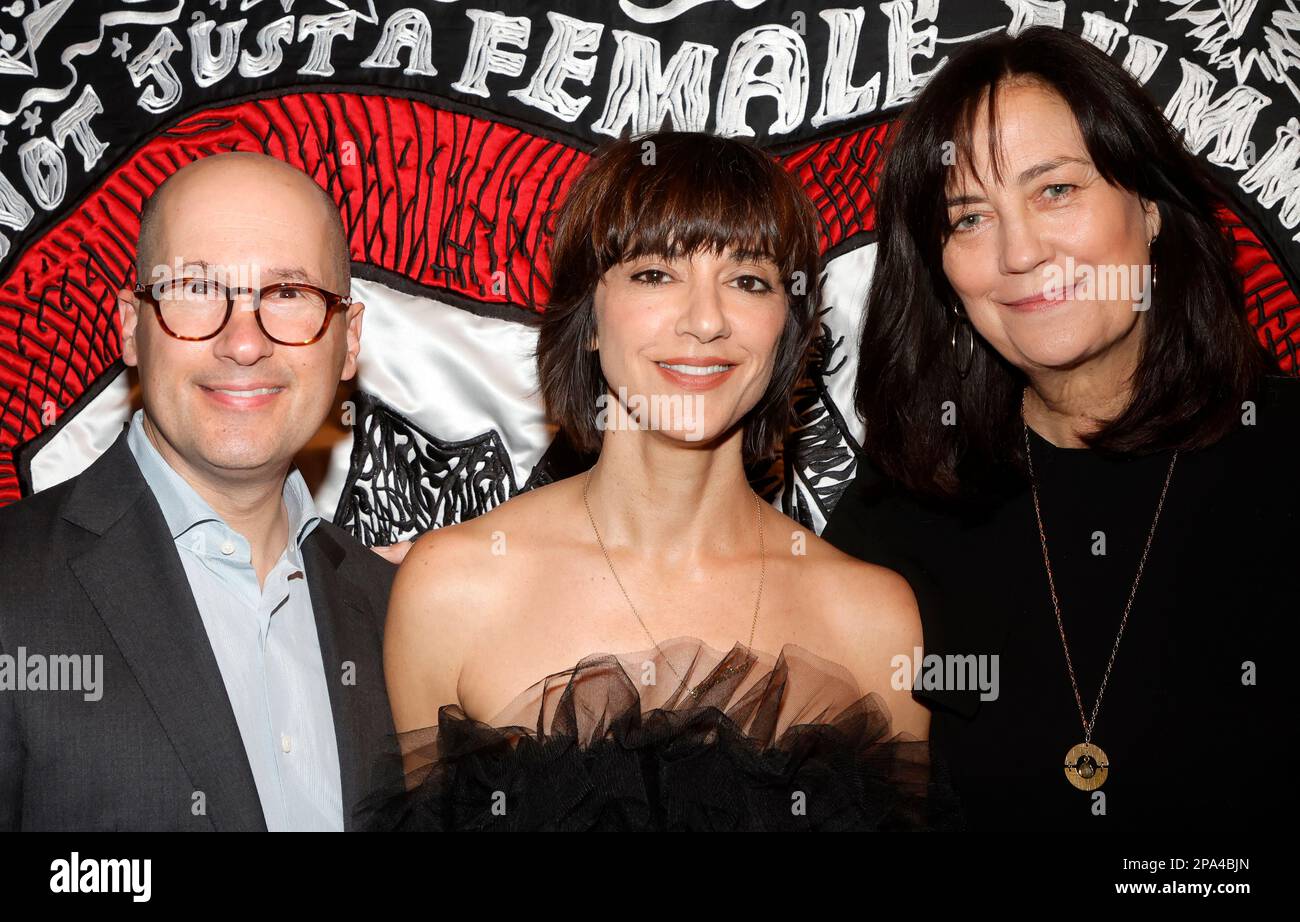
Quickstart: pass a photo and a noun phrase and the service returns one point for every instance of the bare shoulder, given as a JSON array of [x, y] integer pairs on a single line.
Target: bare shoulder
[[455, 576], [850, 600], [868, 618], [454, 586], [847, 589]]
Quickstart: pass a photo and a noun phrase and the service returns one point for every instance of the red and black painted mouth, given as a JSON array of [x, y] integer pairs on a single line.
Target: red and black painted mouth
[[443, 202]]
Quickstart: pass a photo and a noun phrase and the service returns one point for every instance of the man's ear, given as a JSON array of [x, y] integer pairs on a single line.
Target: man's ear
[[354, 315], [128, 316]]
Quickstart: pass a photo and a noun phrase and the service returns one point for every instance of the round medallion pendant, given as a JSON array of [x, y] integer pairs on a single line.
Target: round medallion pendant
[[1086, 767]]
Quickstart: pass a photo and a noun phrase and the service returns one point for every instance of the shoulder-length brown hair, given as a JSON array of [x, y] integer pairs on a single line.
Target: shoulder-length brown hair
[[1199, 356], [673, 194]]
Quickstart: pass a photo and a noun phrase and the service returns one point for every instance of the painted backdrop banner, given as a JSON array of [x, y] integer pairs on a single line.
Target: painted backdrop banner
[[448, 130]]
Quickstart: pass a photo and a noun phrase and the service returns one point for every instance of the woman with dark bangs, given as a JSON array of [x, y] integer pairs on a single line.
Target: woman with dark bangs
[[1073, 451], [649, 645]]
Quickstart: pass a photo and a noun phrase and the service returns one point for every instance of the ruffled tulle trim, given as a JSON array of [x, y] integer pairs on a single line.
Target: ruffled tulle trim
[[728, 744]]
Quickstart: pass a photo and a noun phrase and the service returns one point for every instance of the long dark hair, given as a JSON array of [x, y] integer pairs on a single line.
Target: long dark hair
[[1199, 357]]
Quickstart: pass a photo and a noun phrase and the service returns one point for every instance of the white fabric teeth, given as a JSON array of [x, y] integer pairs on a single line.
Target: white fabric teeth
[[695, 369]]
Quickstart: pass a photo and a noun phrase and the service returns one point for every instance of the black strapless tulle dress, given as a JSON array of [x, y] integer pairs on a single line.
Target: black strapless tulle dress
[[679, 738]]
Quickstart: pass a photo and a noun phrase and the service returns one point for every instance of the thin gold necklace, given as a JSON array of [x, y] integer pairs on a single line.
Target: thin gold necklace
[[1086, 765], [758, 598]]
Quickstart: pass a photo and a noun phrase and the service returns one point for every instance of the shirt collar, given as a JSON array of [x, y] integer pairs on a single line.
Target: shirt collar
[[183, 508]]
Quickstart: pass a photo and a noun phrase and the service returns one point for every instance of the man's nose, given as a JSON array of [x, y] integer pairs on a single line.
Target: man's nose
[[242, 340]]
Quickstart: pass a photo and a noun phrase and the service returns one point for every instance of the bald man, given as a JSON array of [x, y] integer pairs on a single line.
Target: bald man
[[190, 647]]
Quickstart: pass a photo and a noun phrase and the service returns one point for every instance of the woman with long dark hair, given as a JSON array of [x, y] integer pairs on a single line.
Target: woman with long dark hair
[[1071, 451]]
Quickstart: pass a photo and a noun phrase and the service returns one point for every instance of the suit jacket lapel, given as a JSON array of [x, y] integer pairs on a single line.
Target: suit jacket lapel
[[346, 627], [134, 577]]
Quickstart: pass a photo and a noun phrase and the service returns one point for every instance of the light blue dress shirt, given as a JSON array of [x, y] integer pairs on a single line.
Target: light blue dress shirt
[[265, 643]]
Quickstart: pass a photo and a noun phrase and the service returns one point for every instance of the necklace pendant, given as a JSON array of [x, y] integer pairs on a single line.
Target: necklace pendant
[[1086, 767]]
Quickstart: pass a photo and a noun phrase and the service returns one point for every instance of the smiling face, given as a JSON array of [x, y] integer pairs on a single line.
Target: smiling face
[[1049, 261], [239, 405], [706, 326]]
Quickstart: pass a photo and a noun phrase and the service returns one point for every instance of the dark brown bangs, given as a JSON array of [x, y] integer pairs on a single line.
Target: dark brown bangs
[[698, 193]]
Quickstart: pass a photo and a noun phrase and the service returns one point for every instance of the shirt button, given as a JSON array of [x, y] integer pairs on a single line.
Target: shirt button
[[286, 744], [228, 548]]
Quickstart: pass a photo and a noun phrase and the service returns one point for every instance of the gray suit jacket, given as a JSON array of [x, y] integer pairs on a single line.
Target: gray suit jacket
[[89, 568]]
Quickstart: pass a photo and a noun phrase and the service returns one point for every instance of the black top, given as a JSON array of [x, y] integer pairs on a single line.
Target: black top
[[1190, 744], [678, 738]]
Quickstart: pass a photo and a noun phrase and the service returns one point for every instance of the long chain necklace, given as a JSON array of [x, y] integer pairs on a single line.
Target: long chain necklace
[[758, 598], [1086, 765]]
